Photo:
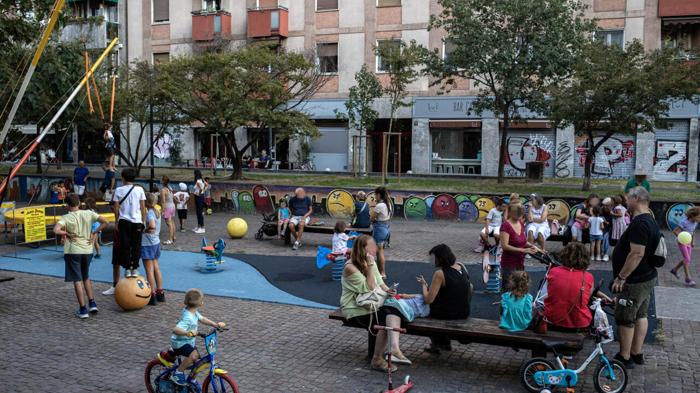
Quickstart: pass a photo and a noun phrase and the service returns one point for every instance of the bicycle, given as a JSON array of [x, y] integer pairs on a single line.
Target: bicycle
[[158, 371], [539, 375]]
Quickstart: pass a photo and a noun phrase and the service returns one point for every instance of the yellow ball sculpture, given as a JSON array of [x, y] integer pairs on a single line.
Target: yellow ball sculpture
[[685, 238], [237, 228], [132, 293]]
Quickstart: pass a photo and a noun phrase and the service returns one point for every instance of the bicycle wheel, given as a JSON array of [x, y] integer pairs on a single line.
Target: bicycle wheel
[[223, 382], [153, 370], [603, 382], [528, 370]]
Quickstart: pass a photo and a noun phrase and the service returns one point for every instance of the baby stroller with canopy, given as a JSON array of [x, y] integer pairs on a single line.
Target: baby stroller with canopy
[[268, 227]]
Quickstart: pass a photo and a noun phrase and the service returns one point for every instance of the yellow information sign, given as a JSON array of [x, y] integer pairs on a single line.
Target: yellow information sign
[[34, 224]]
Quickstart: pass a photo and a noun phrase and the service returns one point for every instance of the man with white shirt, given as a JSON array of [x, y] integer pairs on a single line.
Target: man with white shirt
[[129, 204]]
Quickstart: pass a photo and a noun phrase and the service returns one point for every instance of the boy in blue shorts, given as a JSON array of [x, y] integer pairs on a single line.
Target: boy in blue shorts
[[185, 331]]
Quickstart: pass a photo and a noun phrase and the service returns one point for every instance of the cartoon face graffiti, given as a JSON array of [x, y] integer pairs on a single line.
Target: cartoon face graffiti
[[459, 198], [262, 200], [468, 211], [429, 206], [444, 207], [245, 202], [484, 205], [675, 214], [558, 209], [340, 204], [414, 208]]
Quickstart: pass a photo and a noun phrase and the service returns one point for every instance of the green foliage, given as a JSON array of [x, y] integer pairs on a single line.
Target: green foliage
[[175, 157], [360, 113], [402, 62], [615, 90], [254, 86], [513, 51]]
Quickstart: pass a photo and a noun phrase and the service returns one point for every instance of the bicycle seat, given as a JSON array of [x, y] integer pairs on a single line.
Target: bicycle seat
[[555, 345]]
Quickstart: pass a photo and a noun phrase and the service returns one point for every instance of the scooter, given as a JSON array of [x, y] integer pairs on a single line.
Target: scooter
[[407, 382]]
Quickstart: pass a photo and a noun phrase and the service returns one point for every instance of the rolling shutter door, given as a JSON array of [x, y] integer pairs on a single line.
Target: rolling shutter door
[[614, 159], [671, 151], [525, 146], [330, 150]]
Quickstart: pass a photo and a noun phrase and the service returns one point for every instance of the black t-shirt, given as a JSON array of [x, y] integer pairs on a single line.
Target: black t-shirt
[[644, 231], [299, 206]]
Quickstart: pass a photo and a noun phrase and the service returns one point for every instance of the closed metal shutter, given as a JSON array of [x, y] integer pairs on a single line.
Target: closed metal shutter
[[330, 150], [525, 146], [614, 159], [671, 153]]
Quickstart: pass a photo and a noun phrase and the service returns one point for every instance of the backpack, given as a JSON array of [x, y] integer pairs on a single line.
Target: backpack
[[658, 259]]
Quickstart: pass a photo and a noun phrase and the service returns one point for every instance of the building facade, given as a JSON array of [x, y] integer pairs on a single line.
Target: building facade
[[439, 134]]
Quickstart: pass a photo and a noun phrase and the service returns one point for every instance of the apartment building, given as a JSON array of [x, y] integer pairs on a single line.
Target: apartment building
[[439, 133]]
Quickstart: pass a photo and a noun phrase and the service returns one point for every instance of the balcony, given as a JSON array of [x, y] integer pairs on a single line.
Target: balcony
[[207, 25], [268, 22], [676, 8], [93, 32]]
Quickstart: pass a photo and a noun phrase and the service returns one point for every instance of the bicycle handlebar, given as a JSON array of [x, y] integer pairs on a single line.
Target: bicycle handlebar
[[203, 335], [388, 328]]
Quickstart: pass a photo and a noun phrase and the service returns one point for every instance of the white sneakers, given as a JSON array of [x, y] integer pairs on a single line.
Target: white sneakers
[[199, 230], [109, 292], [296, 245], [606, 258]]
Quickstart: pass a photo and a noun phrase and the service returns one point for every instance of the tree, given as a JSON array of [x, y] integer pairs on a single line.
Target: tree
[[256, 86], [135, 95], [401, 62], [512, 51], [360, 113], [615, 90]]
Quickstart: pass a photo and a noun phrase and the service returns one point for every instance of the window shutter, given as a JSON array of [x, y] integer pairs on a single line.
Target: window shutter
[[161, 10], [326, 5]]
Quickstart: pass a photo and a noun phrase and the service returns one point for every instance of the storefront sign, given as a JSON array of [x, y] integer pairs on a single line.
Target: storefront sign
[[34, 225]]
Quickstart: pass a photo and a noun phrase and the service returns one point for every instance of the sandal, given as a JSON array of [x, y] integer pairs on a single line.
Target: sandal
[[400, 360], [383, 367]]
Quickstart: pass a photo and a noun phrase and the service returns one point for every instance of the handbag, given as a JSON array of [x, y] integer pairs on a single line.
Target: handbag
[[108, 195], [373, 299]]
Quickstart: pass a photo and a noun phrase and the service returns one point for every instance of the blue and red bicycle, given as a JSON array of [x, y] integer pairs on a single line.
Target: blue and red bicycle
[[158, 371]]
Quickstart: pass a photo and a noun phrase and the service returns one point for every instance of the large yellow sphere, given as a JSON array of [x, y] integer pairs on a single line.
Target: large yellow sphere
[[685, 238], [132, 293], [236, 228]]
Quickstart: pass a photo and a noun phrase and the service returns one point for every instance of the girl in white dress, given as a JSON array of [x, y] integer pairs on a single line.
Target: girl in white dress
[[538, 227]]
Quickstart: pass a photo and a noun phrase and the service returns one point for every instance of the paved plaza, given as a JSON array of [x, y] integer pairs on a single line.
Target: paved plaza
[[283, 348]]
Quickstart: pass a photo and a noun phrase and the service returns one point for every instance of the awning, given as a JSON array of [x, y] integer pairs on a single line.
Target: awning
[[681, 21], [455, 124]]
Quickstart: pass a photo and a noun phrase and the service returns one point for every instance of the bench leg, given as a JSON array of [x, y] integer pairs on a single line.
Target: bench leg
[[287, 236], [539, 353], [371, 341]]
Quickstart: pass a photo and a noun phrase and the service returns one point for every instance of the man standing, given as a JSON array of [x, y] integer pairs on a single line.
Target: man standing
[[635, 277], [80, 176], [639, 179], [129, 204], [301, 208], [76, 226]]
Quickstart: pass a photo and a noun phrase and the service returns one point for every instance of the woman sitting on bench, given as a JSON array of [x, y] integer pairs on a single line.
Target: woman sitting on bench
[[360, 276], [449, 294]]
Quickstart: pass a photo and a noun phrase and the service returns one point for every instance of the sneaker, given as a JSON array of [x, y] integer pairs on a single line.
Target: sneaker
[[92, 307], [606, 258], [167, 242], [98, 256], [82, 313], [628, 363], [160, 297], [296, 245], [182, 230], [109, 292], [689, 282], [638, 358], [152, 300], [179, 378], [592, 258], [675, 274], [202, 230]]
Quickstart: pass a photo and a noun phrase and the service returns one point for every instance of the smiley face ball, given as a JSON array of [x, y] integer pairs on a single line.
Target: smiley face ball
[[132, 293]]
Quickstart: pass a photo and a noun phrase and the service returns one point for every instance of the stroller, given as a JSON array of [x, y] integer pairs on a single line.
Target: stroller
[[269, 226]]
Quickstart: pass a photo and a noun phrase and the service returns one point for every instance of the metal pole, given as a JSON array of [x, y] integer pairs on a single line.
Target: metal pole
[[58, 114], [32, 66], [153, 171]]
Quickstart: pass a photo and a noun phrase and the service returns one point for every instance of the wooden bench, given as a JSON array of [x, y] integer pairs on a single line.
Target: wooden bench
[[483, 331], [330, 229]]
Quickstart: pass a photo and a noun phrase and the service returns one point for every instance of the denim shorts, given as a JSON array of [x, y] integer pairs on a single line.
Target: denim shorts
[[77, 267], [150, 252], [595, 237], [381, 232]]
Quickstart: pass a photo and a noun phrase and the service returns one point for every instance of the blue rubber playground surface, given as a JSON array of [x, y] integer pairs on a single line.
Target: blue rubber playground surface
[[235, 279]]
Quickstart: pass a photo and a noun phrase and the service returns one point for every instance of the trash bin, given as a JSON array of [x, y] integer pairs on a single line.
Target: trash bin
[[534, 171]]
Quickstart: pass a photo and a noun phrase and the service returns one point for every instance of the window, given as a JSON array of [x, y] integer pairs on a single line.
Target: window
[[211, 5], [447, 48], [161, 58], [388, 3], [611, 37], [275, 20], [456, 143], [326, 5], [161, 11], [386, 46], [327, 58]]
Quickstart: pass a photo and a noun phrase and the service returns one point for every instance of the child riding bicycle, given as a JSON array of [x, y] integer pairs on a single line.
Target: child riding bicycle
[[184, 332]]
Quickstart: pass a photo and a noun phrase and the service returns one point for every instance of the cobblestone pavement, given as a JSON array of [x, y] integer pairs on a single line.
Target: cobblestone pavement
[[279, 348]]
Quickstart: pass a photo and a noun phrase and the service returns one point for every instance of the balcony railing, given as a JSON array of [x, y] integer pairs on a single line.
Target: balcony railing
[[268, 22], [207, 25], [95, 34]]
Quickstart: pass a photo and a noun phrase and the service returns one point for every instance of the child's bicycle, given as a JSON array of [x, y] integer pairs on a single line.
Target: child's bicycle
[[159, 370], [407, 382], [539, 375]]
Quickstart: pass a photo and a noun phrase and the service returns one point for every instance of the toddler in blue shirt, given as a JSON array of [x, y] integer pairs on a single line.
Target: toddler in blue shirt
[[516, 305]]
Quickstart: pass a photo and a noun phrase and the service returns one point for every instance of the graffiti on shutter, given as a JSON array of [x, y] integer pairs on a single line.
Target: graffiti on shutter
[[671, 158], [614, 159], [529, 146]]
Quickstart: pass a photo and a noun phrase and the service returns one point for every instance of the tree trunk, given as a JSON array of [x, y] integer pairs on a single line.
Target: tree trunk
[[588, 164], [385, 164], [237, 161], [504, 148]]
